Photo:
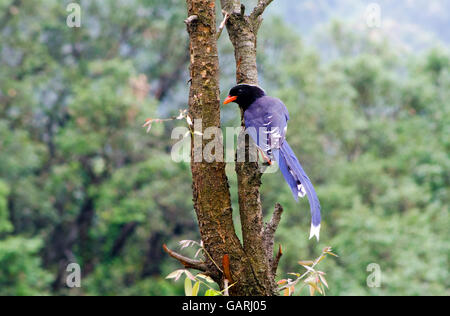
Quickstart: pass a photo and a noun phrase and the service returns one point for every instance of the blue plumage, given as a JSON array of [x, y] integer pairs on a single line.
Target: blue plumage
[[266, 121]]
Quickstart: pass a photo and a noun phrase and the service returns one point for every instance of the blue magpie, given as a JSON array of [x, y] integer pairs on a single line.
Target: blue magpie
[[265, 121]]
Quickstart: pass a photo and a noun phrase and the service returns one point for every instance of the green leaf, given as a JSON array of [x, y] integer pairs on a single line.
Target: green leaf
[[195, 288], [212, 292], [188, 287]]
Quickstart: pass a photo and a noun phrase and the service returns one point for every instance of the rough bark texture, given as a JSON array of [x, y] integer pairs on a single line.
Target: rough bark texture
[[248, 266], [210, 185], [242, 30]]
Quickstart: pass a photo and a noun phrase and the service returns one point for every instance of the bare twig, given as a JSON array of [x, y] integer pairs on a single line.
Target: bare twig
[[224, 22], [242, 9], [183, 115], [187, 262], [309, 269]]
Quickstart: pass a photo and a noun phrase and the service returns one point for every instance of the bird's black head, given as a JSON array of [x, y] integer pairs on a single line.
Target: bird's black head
[[244, 95]]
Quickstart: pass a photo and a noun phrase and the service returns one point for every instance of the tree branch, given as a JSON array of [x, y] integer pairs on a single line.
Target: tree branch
[[242, 34], [167, 81], [231, 6], [259, 9], [272, 225], [191, 19], [276, 261], [126, 231], [270, 229], [187, 262], [212, 202], [210, 188]]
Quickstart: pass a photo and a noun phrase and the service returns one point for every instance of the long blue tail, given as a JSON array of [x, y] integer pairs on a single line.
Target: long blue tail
[[299, 183]]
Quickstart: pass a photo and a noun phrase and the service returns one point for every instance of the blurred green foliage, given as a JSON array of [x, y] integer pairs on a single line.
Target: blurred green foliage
[[373, 132], [80, 181]]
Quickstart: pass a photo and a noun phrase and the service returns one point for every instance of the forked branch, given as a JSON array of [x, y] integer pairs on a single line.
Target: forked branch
[[269, 237], [271, 227]]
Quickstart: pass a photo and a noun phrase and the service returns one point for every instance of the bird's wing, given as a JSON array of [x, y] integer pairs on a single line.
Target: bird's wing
[[266, 122]]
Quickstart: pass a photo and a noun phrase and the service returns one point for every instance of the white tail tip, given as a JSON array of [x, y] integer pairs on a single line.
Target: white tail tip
[[315, 231]]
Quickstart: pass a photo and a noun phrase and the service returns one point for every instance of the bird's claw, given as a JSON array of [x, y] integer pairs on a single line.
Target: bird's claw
[[267, 160]]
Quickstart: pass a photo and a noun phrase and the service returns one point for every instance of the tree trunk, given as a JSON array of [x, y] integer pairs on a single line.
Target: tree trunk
[[242, 30], [248, 266]]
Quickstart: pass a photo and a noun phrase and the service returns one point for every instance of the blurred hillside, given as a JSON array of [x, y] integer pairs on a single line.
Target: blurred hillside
[[414, 23]]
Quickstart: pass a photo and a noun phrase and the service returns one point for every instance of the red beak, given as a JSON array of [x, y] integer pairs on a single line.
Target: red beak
[[229, 99]]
